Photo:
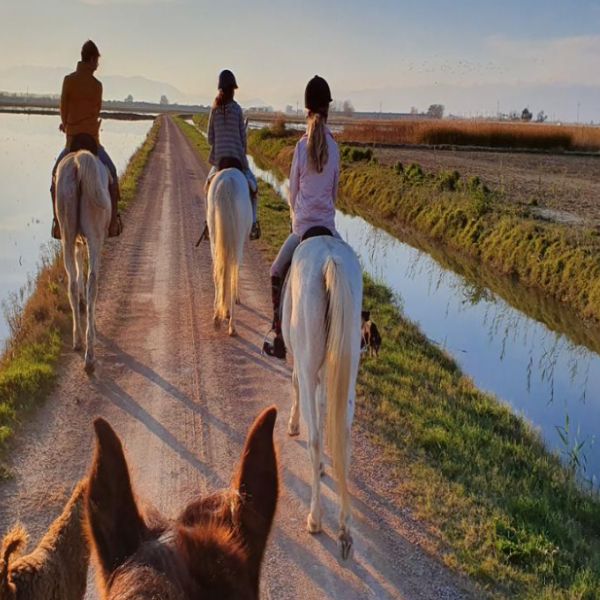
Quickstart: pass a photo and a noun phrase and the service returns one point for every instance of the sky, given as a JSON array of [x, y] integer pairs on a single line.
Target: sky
[[472, 56]]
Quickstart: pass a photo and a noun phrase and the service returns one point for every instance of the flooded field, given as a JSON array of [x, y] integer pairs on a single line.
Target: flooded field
[[529, 351], [29, 145]]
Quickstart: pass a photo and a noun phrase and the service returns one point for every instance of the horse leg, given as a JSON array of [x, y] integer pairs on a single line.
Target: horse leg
[[231, 297], [307, 392], [71, 269], [345, 536], [321, 412], [79, 248], [92, 293], [294, 422]]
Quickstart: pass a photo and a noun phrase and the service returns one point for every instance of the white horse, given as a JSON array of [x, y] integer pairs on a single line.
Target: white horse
[[83, 209], [321, 328], [229, 218]]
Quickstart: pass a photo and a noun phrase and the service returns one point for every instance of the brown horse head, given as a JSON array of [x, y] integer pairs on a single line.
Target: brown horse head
[[214, 549]]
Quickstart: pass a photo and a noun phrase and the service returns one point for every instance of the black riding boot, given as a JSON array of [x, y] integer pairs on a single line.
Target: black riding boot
[[277, 348], [255, 231], [55, 225], [116, 226]]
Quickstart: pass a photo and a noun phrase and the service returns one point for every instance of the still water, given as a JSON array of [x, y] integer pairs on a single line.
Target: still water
[[29, 145], [530, 352]]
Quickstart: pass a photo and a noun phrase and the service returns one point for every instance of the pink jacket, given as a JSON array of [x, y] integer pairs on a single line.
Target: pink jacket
[[312, 194]]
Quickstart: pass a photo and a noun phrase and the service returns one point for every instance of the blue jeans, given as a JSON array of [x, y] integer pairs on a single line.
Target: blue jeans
[[102, 155]]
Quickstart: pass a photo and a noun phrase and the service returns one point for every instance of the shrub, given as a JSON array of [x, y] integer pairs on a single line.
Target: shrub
[[447, 181]]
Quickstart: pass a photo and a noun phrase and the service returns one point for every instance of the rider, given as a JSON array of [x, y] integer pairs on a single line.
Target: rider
[[80, 103], [227, 137], [314, 180]]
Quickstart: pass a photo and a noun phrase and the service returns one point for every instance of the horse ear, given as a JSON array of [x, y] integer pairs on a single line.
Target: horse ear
[[115, 523], [258, 484]]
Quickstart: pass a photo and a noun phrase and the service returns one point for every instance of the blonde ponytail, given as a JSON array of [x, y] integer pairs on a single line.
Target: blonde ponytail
[[318, 151]]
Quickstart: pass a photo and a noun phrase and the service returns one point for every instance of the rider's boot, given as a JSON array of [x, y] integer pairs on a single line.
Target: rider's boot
[[255, 231], [55, 225], [277, 348], [116, 226]]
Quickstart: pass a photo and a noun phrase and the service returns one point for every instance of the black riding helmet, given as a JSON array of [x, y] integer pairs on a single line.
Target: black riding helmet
[[317, 94], [226, 80]]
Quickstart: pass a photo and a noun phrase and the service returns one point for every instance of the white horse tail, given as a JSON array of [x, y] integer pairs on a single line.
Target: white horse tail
[[338, 369], [88, 177], [227, 239]]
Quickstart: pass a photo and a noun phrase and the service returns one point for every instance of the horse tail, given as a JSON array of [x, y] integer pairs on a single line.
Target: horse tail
[[227, 238], [338, 369], [13, 543], [88, 177]]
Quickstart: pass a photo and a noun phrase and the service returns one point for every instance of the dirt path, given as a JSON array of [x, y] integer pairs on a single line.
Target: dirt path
[[182, 396]]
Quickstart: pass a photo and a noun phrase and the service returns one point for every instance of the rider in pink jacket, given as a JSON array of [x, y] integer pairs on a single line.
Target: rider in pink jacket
[[314, 181]]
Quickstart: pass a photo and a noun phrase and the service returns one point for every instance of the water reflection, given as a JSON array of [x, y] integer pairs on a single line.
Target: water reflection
[[514, 342], [29, 145]]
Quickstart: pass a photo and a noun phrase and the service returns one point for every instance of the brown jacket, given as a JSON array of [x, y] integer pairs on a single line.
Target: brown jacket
[[80, 103]]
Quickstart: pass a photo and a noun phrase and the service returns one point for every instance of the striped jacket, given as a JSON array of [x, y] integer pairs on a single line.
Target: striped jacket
[[227, 133]]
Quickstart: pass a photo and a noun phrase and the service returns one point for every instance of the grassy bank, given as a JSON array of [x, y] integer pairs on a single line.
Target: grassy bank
[[502, 508], [562, 261], [41, 322]]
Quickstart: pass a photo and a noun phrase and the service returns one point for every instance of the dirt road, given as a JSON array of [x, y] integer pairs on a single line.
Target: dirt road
[[182, 395]]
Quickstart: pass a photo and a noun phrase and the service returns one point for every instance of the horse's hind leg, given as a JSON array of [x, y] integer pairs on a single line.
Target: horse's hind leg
[[92, 293], [344, 536], [294, 422], [232, 296], [71, 269], [79, 249], [309, 406]]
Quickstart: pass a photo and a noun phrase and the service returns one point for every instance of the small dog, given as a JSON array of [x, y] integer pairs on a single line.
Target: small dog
[[370, 338]]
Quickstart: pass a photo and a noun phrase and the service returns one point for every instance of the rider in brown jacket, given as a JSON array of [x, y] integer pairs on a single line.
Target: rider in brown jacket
[[80, 104]]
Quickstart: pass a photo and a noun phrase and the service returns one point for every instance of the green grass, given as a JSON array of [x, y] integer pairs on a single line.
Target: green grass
[[197, 139], [562, 261], [502, 508], [41, 324]]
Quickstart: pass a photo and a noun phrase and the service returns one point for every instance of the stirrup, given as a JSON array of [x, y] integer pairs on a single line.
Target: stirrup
[[255, 231], [55, 229], [118, 227], [276, 349]]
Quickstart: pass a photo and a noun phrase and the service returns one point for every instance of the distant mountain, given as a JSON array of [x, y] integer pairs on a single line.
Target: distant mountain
[[48, 80]]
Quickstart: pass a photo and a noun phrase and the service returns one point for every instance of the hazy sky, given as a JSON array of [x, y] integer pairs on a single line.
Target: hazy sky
[[393, 52]]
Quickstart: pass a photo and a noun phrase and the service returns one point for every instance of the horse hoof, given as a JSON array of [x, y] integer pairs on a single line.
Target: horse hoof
[[321, 469], [89, 366], [232, 331], [293, 430], [345, 540], [312, 525]]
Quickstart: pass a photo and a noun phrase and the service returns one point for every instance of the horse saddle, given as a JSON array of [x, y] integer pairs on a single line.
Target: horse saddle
[[312, 232], [84, 141], [316, 231], [230, 162]]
